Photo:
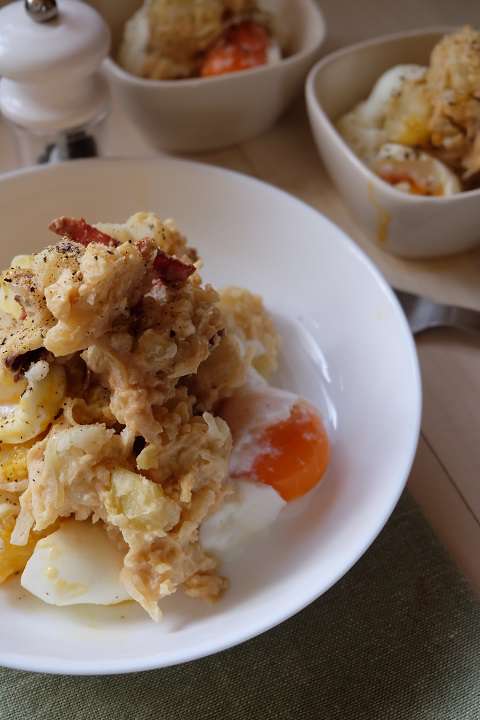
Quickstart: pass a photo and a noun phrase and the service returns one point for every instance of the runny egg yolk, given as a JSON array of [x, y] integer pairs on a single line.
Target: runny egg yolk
[[414, 187], [293, 454], [243, 46]]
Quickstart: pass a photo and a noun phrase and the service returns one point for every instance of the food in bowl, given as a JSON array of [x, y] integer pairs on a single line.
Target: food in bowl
[[175, 39], [141, 443], [419, 130]]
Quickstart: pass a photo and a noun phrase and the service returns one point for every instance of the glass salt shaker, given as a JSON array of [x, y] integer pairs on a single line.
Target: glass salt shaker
[[52, 92]]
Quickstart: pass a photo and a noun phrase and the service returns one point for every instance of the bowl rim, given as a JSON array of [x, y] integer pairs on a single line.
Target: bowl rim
[[114, 67], [316, 109], [49, 665]]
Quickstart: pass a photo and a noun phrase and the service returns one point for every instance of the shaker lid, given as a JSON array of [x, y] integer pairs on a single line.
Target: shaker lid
[[49, 68]]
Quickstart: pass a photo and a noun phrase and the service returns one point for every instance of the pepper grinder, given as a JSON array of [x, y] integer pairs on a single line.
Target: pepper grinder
[[52, 92]]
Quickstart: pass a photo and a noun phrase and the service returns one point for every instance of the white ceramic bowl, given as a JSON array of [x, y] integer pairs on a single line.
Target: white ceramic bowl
[[346, 347], [208, 113], [406, 225]]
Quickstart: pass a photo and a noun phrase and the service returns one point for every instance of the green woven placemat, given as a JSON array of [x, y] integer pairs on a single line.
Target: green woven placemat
[[398, 637]]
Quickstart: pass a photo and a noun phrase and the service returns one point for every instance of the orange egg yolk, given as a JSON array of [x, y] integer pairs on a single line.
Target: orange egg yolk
[[242, 46], [296, 454], [415, 187]]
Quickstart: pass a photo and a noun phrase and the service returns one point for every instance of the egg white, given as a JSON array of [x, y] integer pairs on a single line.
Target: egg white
[[249, 510], [419, 165], [27, 407], [251, 410], [362, 126], [386, 86], [274, 52], [252, 507], [133, 54], [77, 564]]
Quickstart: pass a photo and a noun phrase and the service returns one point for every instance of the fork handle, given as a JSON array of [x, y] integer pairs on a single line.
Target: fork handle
[[461, 318]]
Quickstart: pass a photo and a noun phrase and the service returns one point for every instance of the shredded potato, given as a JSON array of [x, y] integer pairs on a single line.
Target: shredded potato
[[145, 353]]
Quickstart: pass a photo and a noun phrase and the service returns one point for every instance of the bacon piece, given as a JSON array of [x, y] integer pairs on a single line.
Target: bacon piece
[[143, 246], [79, 231], [170, 270]]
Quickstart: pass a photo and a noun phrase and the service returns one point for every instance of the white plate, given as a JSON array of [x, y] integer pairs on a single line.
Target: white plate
[[346, 347]]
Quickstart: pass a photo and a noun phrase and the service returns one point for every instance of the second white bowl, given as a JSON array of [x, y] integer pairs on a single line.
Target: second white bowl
[[406, 225], [209, 113]]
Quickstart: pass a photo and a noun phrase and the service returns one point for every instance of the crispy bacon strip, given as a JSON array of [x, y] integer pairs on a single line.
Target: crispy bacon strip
[[79, 231], [170, 270]]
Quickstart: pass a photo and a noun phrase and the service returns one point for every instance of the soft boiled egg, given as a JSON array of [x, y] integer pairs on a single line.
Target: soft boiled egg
[[280, 452], [387, 87], [278, 439], [74, 565], [243, 46], [414, 171], [382, 129], [251, 508], [8, 302], [28, 405], [363, 127]]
